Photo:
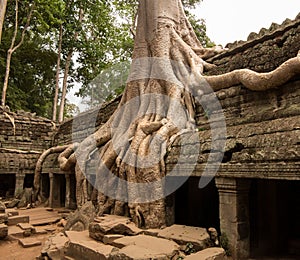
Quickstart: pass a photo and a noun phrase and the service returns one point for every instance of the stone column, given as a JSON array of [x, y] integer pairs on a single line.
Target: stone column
[[234, 215], [68, 191], [51, 178], [19, 184]]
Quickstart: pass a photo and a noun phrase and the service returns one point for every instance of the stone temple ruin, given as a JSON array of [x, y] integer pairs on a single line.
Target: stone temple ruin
[[254, 199]]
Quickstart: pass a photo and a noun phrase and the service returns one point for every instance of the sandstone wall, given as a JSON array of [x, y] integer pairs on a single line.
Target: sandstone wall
[[23, 137], [263, 128]]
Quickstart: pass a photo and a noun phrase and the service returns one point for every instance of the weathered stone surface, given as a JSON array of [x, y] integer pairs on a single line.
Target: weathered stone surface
[[29, 242], [213, 253], [111, 224], [3, 218], [55, 246], [28, 229], [182, 235], [109, 239], [13, 203], [82, 247], [14, 220], [15, 231], [3, 231], [144, 247], [2, 207], [12, 212]]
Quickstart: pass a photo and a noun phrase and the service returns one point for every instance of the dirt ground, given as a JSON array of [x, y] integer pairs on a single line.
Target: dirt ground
[[10, 249]]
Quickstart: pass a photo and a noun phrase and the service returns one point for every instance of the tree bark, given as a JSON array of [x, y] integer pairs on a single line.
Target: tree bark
[[14, 47], [55, 100], [66, 74], [3, 4], [64, 86]]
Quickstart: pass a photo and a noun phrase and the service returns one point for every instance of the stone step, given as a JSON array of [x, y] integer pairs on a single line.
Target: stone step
[[14, 220]]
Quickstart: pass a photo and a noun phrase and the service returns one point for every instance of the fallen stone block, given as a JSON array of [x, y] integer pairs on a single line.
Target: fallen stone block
[[82, 247], [144, 247], [213, 253], [3, 218], [54, 247], [13, 203], [12, 212], [183, 235], [2, 207], [3, 231], [14, 220], [111, 224], [29, 242], [27, 226], [15, 231]]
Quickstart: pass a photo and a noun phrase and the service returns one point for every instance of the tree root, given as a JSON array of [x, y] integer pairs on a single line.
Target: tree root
[[257, 81]]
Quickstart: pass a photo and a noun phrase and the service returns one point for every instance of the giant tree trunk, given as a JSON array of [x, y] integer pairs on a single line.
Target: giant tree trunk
[[157, 105], [3, 4]]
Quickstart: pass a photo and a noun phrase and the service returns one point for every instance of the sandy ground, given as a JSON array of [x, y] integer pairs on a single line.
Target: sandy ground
[[10, 249]]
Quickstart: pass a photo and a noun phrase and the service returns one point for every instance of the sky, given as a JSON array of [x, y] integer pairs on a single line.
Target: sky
[[231, 20]]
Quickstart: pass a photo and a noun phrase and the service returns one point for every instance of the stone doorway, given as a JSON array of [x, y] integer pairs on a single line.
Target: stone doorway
[[274, 218], [7, 185], [197, 207]]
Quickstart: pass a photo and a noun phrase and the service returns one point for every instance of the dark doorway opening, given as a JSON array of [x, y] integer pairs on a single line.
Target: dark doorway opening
[[45, 186], [197, 207], [73, 204], [59, 190], [28, 181], [274, 219], [7, 185]]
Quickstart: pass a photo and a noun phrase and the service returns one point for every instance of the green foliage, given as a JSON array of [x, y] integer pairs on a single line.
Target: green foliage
[[189, 249]]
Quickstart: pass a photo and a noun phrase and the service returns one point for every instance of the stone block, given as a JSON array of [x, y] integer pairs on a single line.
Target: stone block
[[2, 207], [111, 224], [81, 246], [54, 247], [3, 231], [12, 212], [144, 247], [27, 227], [13, 203], [17, 219], [29, 242], [3, 218], [213, 253], [183, 235], [109, 239]]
